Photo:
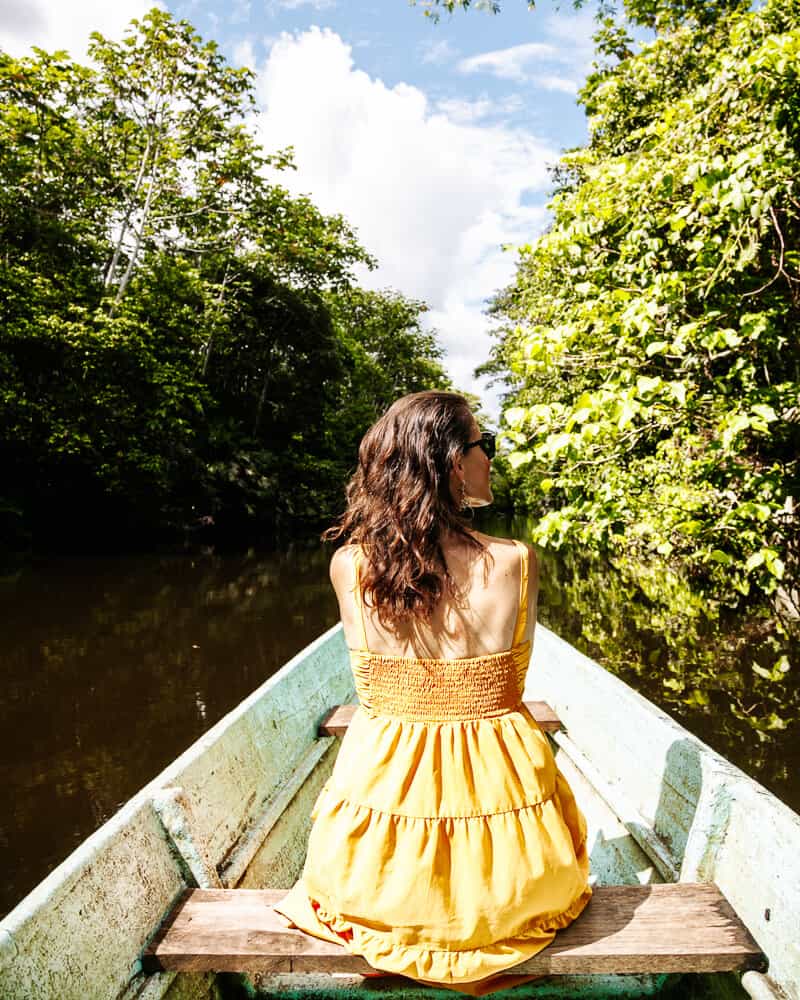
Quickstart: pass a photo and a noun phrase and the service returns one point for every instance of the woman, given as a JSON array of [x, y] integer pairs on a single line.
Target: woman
[[446, 845]]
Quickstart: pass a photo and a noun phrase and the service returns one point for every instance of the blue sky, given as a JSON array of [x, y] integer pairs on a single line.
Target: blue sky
[[433, 140], [536, 59]]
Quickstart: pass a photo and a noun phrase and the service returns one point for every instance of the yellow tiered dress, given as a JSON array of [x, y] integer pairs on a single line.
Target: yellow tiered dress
[[446, 845]]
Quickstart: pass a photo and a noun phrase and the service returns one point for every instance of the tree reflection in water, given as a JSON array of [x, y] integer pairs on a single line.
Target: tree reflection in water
[[113, 666]]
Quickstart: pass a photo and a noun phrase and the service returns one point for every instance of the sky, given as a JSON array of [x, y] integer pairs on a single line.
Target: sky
[[432, 140]]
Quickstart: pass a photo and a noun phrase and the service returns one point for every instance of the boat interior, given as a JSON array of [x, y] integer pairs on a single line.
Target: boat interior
[[692, 860]]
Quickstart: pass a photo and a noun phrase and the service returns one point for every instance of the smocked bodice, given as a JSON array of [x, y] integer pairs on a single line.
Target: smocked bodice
[[430, 690]]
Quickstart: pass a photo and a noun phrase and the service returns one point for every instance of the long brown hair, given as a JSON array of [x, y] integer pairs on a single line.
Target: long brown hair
[[399, 504]]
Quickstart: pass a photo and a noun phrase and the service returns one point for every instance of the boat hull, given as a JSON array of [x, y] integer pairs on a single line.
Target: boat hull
[[234, 810]]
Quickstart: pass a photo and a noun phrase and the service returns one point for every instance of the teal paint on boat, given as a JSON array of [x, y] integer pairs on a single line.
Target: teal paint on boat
[[658, 803], [554, 988]]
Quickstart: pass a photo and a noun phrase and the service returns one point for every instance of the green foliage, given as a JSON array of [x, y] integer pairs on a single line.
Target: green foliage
[[650, 350], [649, 347], [657, 14], [389, 354], [386, 354], [180, 339], [433, 8], [652, 331]]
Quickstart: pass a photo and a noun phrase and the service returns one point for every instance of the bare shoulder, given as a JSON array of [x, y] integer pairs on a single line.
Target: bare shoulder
[[505, 552], [341, 567], [501, 548], [494, 543]]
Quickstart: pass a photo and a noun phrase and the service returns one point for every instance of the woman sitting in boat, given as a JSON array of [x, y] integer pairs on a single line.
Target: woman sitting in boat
[[446, 845]]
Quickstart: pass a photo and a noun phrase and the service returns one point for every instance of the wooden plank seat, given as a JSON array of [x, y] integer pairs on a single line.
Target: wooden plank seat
[[338, 719], [676, 927]]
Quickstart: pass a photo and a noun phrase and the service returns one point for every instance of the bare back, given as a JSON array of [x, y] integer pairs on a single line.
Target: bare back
[[480, 621]]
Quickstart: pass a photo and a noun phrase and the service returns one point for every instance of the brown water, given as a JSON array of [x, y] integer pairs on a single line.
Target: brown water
[[113, 666]]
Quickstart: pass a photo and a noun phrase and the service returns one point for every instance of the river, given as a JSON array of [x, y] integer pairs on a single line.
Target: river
[[113, 665]]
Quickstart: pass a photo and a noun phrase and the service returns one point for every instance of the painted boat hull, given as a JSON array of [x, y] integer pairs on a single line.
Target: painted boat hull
[[658, 802]]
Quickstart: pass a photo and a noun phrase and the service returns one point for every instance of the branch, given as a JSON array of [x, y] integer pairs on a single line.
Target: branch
[[780, 270]]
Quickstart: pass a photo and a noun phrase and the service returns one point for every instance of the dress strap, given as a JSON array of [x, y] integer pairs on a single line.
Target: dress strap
[[359, 597], [522, 614]]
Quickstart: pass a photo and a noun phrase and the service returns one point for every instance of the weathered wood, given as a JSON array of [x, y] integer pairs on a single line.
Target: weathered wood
[[244, 850], [177, 817], [338, 719], [625, 929]]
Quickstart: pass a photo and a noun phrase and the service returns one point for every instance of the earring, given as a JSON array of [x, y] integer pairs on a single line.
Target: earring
[[463, 498]]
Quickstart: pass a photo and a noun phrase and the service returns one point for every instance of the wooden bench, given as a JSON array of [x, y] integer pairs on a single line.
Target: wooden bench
[[676, 927], [338, 719]]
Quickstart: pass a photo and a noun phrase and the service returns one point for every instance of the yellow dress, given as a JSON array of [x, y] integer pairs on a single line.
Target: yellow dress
[[446, 845]]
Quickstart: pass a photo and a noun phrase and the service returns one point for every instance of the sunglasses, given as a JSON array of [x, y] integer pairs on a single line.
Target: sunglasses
[[486, 443]]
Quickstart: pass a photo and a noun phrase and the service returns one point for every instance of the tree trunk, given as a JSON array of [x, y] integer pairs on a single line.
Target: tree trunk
[[111, 272]]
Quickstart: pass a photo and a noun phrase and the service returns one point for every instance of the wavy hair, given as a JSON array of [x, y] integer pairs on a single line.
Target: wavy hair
[[399, 504]]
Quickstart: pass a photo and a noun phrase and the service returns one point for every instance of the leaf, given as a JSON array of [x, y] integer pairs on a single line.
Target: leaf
[[721, 557], [519, 458], [515, 415], [774, 563], [755, 560], [678, 391], [645, 384], [626, 415], [765, 412]]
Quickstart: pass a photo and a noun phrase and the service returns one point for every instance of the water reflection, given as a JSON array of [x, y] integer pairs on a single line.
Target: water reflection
[[112, 667]]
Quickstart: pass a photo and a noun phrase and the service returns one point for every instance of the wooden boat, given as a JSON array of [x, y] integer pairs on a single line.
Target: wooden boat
[[232, 813]]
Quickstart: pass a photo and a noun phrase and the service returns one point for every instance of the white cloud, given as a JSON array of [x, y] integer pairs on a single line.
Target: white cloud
[[570, 45], [294, 4], [574, 31], [463, 328], [239, 12], [550, 81], [438, 52], [432, 193], [244, 53], [510, 64], [467, 111], [57, 24]]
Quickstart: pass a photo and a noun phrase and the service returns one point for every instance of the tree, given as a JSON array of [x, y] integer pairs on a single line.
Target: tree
[[164, 341], [181, 341], [389, 353], [651, 333]]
